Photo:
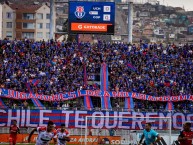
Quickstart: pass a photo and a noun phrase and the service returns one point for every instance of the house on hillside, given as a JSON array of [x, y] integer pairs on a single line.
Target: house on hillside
[[181, 30], [190, 29], [26, 21], [179, 10], [159, 33], [173, 16], [148, 30]]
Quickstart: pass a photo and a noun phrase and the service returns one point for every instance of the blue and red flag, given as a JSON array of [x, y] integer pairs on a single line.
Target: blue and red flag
[[169, 106], [29, 87], [105, 100], [87, 100], [129, 105], [130, 66], [104, 77], [35, 82], [36, 102]]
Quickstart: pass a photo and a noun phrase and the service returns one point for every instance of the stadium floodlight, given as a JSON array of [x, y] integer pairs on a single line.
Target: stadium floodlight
[[130, 21], [126, 129], [51, 36]]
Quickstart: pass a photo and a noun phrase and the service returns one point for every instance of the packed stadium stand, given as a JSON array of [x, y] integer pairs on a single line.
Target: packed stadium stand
[[104, 89], [55, 67]]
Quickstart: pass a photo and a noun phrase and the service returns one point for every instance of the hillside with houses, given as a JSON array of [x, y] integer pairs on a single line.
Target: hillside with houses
[[151, 22]]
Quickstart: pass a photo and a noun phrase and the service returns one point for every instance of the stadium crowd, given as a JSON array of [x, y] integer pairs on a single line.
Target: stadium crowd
[[55, 67]]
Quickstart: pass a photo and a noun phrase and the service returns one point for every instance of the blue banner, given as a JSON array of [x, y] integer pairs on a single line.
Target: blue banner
[[77, 119]]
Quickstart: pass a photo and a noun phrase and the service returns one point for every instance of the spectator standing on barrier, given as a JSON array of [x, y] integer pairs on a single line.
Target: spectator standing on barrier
[[25, 104], [186, 135], [117, 106], [14, 130], [71, 105], [14, 105]]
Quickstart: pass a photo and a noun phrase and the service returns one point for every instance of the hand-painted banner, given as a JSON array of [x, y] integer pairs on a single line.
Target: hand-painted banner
[[97, 93], [77, 119]]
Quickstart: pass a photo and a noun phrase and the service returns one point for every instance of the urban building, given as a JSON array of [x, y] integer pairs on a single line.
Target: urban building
[[190, 29], [26, 21], [1, 20], [8, 25]]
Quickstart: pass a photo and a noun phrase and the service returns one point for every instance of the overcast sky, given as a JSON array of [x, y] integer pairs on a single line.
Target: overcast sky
[[188, 4]]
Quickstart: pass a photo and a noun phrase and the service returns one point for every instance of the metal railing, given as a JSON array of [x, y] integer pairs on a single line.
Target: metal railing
[[97, 109]]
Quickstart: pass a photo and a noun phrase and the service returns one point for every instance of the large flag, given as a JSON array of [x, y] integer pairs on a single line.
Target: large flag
[[129, 105], [36, 102], [87, 100], [104, 77], [169, 106], [105, 100]]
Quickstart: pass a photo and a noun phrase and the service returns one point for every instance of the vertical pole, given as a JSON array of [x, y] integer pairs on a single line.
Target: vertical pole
[[81, 132], [130, 21], [85, 139], [170, 129], [1, 22], [51, 19]]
